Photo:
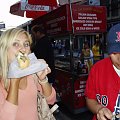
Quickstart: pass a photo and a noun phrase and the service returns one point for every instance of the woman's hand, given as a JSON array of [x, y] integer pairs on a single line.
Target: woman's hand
[[104, 114], [42, 74]]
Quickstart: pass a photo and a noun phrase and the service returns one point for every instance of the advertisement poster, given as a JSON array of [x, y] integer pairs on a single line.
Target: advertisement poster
[[86, 19], [89, 18]]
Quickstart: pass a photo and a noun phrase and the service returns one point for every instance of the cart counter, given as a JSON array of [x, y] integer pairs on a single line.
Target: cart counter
[[71, 89]]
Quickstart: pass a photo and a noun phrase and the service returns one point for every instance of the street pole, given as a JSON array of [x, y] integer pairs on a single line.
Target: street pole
[[71, 16]]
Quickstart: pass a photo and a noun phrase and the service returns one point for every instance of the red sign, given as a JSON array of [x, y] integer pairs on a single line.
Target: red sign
[[36, 14], [16, 8], [79, 89], [89, 18], [86, 19], [55, 22], [63, 2]]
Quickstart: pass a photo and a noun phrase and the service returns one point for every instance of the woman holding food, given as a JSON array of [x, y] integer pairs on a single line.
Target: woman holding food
[[18, 96]]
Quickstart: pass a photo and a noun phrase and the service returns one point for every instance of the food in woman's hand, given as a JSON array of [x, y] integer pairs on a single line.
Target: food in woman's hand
[[23, 60]]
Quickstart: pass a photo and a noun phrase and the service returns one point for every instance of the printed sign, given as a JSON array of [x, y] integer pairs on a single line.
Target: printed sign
[[89, 18], [62, 2], [79, 96], [86, 19], [29, 7]]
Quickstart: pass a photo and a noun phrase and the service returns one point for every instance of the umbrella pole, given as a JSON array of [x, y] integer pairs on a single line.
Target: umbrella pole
[[70, 4]]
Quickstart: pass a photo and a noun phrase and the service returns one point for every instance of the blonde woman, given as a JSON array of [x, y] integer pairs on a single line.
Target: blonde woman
[[18, 97]]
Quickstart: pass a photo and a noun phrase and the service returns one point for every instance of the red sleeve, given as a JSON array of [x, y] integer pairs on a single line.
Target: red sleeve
[[90, 90]]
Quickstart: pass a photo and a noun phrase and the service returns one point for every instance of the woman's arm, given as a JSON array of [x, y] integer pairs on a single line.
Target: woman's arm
[[12, 96], [51, 98], [43, 81], [45, 87]]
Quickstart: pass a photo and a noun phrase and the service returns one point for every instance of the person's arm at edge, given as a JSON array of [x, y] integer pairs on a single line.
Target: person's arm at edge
[[93, 105]]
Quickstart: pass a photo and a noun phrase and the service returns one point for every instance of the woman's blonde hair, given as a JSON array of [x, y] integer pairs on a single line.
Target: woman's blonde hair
[[6, 40]]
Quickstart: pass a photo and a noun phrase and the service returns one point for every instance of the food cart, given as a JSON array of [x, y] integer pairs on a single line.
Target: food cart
[[68, 27]]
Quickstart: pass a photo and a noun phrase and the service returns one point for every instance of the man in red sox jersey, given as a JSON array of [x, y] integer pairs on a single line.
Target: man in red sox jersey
[[103, 84]]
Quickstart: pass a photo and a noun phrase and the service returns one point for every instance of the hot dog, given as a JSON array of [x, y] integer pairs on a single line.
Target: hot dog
[[23, 60]]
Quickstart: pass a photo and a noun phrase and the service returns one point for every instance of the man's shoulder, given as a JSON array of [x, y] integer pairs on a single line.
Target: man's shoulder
[[103, 62]]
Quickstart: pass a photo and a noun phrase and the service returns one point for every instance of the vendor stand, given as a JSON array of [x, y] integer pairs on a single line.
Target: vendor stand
[[68, 27]]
